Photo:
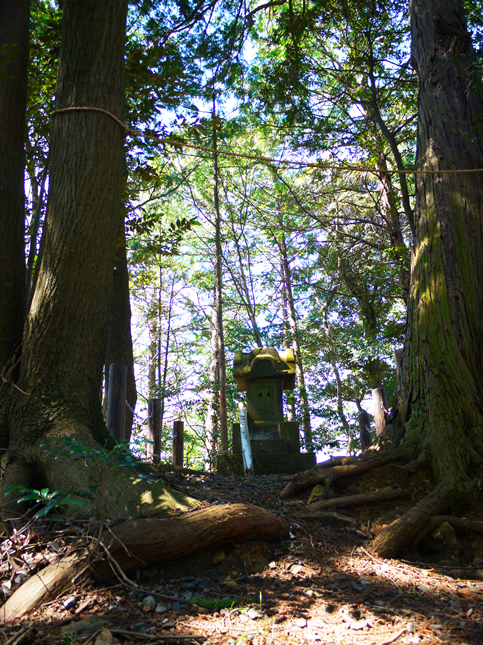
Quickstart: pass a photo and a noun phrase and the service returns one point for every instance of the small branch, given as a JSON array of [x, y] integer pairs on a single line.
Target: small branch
[[326, 515], [267, 5], [16, 637], [393, 638]]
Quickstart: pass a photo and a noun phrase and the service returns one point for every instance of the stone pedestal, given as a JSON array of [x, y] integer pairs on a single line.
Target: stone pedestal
[[269, 463]]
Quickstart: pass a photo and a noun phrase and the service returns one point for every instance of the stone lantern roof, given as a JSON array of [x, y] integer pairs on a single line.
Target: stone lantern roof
[[262, 364]]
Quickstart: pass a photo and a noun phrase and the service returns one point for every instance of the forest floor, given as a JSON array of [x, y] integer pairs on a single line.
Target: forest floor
[[322, 585]]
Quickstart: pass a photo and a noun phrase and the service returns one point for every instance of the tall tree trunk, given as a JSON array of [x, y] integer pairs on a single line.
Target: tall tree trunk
[[163, 377], [393, 224], [14, 33], [218, 304], [153, 356], [366, 304], [63, 343], [287, 344], [332, 359], [444, 345], [292, 320], [213, 404], [390, 137], [241, 283], [445, 348]]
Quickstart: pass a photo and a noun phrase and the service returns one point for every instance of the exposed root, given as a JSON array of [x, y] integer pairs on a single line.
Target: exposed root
[[327, 515], [110, 485], [359, 500], [46, 585], [417, 464], [349, 467], [136, 544], [391, 541], [456, 523]]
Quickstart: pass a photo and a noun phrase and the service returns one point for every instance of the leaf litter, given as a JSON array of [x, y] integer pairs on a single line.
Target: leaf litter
[[321, 586]]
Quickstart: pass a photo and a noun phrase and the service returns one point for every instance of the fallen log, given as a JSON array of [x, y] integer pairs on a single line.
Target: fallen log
[[350, 467], [359, 500], [140, 543]]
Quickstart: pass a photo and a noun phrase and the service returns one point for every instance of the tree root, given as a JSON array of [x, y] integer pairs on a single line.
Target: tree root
[[359, 500], [456, 523], [417, 464], [390, 542], [109, 485], [350, 467], [136, 544]]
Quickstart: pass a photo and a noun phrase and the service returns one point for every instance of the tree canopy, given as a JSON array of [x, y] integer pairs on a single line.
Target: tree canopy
[[290, 174]]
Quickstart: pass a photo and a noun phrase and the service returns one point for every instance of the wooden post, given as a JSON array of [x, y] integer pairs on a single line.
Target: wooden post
[[116, 400], [154, 429], [178, 443], [379, 402]]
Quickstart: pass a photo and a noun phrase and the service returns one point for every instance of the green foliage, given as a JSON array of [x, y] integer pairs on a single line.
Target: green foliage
[[167, 241], [57, 500], [328, 81]]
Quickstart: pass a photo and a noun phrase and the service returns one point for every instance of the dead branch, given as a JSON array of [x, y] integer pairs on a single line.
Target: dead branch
[[326, 515]]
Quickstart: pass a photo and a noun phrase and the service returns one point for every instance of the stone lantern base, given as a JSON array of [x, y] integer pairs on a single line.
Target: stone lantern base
[[275, 450]]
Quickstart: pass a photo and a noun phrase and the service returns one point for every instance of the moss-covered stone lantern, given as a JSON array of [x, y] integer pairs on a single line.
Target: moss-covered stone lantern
[[264, 373]]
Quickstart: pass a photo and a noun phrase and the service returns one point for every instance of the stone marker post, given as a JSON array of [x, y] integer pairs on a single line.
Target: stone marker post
[[245, 440]]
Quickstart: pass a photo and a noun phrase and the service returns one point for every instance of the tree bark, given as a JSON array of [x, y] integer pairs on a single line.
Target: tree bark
[[379, 407], [14, 51], [138, 544], [359, 500], [218, 304], [443, 364], [351, 467], [292, 320], [213, 404], [63, 343], [287, 344], [331, 356], [393, 224], [444, 347], [119, 347]]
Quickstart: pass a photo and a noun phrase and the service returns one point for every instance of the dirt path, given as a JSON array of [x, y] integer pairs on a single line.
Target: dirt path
[[321, 586]]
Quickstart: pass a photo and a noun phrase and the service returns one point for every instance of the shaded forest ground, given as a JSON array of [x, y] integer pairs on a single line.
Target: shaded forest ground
[[321, 585]]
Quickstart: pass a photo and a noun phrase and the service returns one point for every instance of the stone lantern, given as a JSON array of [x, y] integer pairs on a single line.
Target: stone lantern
[[264, 374]]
